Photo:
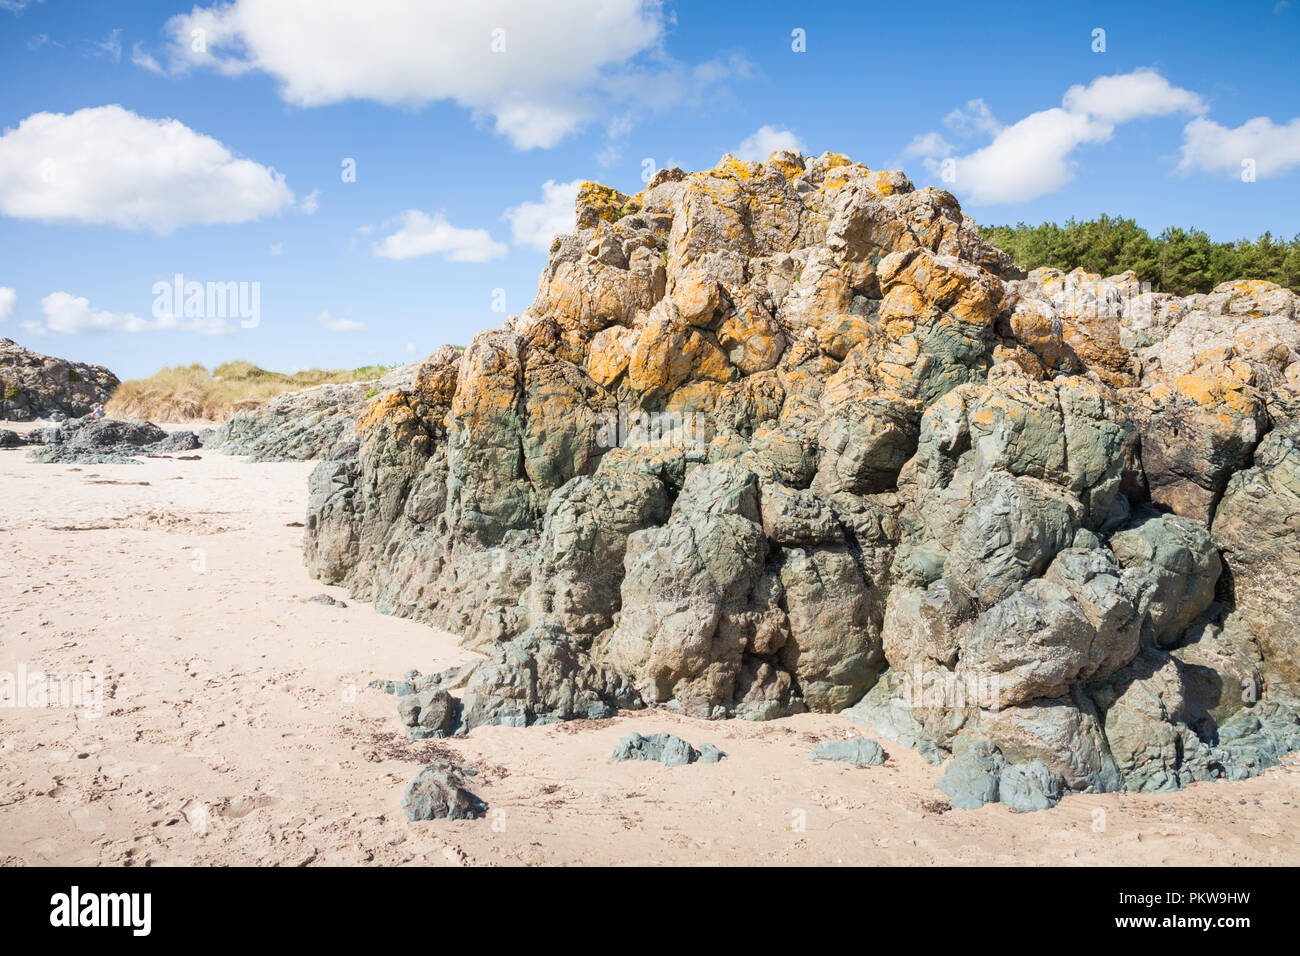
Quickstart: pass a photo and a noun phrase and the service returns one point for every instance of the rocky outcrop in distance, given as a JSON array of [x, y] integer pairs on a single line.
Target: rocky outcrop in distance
[[791, 436], [105, 441], [35, 386], [306, 425]]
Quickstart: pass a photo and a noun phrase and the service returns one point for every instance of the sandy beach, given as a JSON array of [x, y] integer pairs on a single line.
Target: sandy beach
[[229, 722]]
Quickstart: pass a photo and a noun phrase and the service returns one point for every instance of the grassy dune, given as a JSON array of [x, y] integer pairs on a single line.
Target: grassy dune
[[182, 393]]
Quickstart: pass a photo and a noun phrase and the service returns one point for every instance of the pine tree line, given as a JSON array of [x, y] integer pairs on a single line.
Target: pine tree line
[[1181, 261]]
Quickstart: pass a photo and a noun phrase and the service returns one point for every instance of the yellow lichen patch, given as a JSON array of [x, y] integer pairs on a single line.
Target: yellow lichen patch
[[1033, 328], [435, 386], [753, 339], [887, 181], [841, 333], [391, 408], [934, 281], [786, 167], [693, 397], [1225, 392], [729, 167], [489, 380], [596, 202], [610, 350], [975, 305], [1242, 371], [1247, 287], [669, 354], [587, 296], [834, 182], [802, 380], [1081, 276], [854, 379], [1027, 361], [902, 303], [697, 296]]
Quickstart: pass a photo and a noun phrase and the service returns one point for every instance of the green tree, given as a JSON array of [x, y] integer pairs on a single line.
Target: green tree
[[1181, 261]]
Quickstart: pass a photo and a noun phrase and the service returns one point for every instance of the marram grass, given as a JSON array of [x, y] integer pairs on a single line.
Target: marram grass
[[186, 393]]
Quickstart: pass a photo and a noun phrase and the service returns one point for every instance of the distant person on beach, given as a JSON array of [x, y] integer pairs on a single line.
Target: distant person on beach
[[97, 411]]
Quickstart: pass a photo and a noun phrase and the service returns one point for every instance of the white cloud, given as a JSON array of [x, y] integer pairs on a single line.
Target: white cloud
[[1027, 159], [765, 141], [7, 299], [1209, 147], [277, 249], [73, 315], [311, 202], [975, 118], [1032, 157], [928, 144], [17, 6], [609, 155], [143, 59], [1129, 96], [410, 348], [108, 166], [535, 224], [536, 71], [424, 235], [339, 325], [110, 46]]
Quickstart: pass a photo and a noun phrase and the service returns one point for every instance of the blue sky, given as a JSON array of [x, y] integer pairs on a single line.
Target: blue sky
[[447, 136]]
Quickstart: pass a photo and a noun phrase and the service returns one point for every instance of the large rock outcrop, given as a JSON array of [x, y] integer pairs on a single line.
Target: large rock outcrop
[[789, 435], [36, 386]]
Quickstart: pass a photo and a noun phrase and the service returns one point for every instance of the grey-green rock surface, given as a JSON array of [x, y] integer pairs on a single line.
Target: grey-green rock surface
[[105, 441], [1027, 787], [789, 436], [438, 793], [859, 751], [667, 749], [972, 778], [35, 386], [309, 424]]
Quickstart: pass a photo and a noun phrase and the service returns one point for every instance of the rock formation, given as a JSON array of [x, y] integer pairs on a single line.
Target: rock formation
[[858, 751], [438, 793], [36, 386], [305, 425], [667, 749], [790, 436], [100, 441]]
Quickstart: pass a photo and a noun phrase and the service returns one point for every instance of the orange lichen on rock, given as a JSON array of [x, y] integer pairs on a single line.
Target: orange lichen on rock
[[596, 202], [392, 417]]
